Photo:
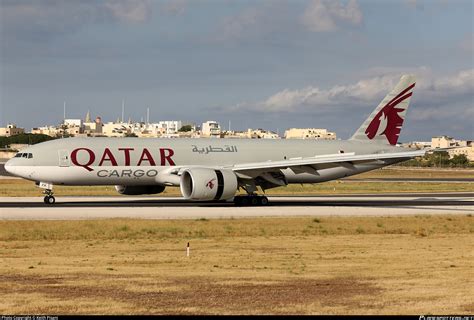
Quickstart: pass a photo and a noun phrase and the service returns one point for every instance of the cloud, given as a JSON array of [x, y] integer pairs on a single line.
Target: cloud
[[269, 17], [130, 11], [174, 7], [324, 16], [42, 19], [280, 19], [430, 91]]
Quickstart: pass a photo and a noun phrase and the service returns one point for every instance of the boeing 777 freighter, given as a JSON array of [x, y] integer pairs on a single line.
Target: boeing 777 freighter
[[215, 169]]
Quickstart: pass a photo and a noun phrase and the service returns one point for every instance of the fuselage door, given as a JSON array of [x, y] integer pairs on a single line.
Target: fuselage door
[[64, 158]]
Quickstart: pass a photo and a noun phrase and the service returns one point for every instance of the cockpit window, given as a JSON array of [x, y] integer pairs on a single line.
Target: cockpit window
[[24, 155]]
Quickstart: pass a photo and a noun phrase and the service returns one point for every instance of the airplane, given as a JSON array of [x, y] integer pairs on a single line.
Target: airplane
[[215, 169]]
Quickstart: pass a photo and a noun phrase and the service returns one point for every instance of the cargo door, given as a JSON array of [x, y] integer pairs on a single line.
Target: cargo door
[[64, 158]]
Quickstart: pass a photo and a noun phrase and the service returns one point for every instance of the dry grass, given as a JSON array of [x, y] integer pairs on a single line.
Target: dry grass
[[335, 265]]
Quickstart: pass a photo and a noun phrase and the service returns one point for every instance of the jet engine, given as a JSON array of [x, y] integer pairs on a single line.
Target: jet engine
[[137, 190], [208, 184]]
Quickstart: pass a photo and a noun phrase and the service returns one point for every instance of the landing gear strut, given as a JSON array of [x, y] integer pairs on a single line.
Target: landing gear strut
[[49, 198], [251, 200]]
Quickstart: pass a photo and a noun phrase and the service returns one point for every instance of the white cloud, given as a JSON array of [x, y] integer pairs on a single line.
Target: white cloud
[[430, 90], [132, 11], [255, 22], [52, 17], [324, 16], [175, 7]]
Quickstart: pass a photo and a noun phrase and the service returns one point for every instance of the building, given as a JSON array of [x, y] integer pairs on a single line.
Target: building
[[169, 127], [251, 134], [455, 147], [416, 144], [310, 133], [11, 130], [448, 142], [466, 148], [442, 142], [48, 130], [92, 128], [116, 129], [211, 129], [261, 134]]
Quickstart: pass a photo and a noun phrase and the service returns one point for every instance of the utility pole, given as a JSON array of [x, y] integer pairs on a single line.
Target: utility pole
[[123, 108]]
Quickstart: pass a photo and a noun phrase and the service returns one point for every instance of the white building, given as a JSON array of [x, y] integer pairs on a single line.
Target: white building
[[211, 129], [113, 129], [51, 131], [169, 127], [73, 122], [310, 133], [251, 134]]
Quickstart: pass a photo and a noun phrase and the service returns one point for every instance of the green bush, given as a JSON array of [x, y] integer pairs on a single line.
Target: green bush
[[24, 138]]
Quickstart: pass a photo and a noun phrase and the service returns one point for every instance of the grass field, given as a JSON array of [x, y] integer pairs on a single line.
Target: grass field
[[331, 265], [19, 187]]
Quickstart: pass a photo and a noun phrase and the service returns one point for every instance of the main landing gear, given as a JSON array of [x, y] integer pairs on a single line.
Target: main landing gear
[[250, 200], [49, 198]]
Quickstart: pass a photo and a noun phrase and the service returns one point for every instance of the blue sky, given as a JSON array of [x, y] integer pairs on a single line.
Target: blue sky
[[271, 64]]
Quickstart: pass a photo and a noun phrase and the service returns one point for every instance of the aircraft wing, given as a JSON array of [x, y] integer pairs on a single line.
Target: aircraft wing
[[311, 164]]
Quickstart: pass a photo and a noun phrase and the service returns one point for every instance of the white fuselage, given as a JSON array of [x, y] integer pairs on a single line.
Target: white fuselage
[[134, 161]]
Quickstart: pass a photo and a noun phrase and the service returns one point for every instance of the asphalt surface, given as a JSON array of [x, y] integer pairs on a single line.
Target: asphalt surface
[[397, 200], [4, 172], [74, 208]]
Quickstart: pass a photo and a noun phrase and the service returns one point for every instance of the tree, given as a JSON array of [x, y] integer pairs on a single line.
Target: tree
[[459, 160], [438, 159], [24, 138], [130, 135], [185, 128]]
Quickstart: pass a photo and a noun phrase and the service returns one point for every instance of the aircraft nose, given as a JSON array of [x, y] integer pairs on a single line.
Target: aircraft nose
[[9, 166]]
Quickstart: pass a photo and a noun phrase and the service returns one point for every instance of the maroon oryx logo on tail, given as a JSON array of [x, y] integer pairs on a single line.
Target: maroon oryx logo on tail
[[210, 184], [388, 121]]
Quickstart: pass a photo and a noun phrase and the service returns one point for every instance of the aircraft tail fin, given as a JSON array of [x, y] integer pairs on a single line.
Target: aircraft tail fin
[[385, 122]]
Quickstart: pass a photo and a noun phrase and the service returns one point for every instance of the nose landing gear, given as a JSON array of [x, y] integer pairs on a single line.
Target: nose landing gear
[[48, 192]]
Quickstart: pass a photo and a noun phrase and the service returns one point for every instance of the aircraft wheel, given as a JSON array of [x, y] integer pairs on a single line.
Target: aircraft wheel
[[254, 201], [244, 201], [237, 200], [49, 200], [264, 201]]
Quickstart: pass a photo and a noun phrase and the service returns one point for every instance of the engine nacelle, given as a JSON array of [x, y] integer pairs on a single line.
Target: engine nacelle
[[137, 190], [203, 184]]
